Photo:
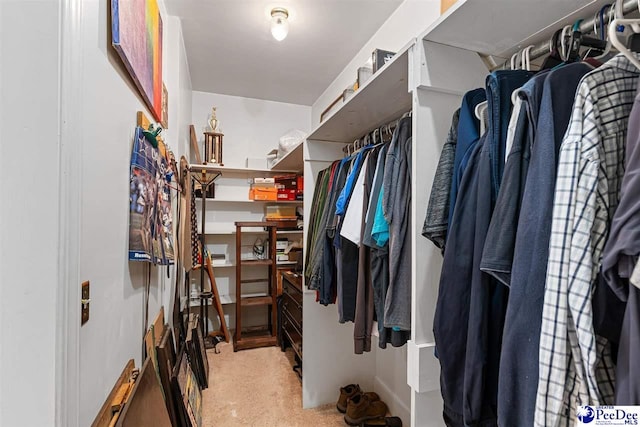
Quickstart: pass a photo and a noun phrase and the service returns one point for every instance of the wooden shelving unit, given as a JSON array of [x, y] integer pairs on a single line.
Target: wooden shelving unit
[[245, 340]]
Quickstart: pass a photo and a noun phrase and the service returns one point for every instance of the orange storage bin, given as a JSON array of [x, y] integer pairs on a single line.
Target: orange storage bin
[[263, 193]]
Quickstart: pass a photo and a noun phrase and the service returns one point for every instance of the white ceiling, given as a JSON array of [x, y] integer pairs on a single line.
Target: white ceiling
[[231, 51]]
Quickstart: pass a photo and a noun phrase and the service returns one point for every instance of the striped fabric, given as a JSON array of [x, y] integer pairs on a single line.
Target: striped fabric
[[576, 367]]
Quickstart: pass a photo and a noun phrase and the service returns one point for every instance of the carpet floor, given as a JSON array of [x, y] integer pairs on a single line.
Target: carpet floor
[[258, 388]]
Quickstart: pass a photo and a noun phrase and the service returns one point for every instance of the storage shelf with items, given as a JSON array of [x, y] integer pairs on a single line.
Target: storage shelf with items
[[265, 256], [231, 204]]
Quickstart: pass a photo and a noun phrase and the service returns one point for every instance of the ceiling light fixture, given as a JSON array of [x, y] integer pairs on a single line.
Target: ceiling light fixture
[[279, 23]]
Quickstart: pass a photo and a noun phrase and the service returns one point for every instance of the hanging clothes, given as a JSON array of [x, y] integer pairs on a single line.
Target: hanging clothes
[[521, 336], [316, 232], [437, 217], [327, 261], [346, 252], [379, 260], [576, 366], [468, 136], [365, 313], [497, 254], [396, 205], [451, 319], [473, 376], [618, 262]]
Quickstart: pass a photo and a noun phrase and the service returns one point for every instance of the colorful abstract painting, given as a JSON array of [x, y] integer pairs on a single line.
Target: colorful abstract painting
[[136, 34]]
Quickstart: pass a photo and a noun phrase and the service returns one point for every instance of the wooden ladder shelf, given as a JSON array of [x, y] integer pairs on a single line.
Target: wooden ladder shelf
[[261, 338]]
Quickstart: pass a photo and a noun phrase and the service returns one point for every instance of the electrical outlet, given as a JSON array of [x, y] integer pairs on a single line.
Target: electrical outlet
[[84, 302]]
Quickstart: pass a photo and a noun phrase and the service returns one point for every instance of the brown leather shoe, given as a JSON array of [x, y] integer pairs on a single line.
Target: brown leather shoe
[[346, 393], [361, 408]]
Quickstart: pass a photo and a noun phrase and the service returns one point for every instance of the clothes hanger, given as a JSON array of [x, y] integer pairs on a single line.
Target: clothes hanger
[[527, 55], [480, 110], [375, 136], [515, 61], [525, 62], [554, 58], [614, 29], [603, 33], [564, 46]]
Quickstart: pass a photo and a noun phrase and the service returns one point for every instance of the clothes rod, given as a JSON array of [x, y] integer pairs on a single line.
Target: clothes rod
[[586, 27]]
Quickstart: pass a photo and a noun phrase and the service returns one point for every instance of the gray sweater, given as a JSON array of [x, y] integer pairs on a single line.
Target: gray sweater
[[396, 206]]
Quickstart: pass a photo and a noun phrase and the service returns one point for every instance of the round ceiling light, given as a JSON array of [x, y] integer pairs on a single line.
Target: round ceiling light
[[279, 23]]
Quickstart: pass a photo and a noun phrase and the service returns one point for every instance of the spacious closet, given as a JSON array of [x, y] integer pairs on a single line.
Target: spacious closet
[[462, 218], [428, 79]]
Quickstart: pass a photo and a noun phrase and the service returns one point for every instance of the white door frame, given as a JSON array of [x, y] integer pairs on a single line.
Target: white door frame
[[70, 86]]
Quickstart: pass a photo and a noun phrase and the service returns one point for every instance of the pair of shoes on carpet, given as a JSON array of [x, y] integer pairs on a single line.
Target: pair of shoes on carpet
[[362, 408]]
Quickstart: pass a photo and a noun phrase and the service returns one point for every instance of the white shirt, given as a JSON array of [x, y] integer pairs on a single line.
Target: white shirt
[[353, 217]]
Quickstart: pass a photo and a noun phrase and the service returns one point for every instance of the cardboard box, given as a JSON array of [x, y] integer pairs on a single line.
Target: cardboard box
[[280, 212], [300, 194], [289, 182], [263, 193], [263, 181], [281, 244], [287, 195], [282, 257], [381, 57], [446, 4]]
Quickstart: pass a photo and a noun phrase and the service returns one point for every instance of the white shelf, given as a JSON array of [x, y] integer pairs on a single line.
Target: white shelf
[[224, 300], [232, 232], [287, 262], [289, 232], [277, 202], [196, 168], [499, 27], [229, 299], [291, 161], [383, 98], [225, 265]]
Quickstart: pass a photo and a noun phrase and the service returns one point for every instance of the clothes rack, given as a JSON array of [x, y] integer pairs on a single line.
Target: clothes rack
[[376, 136], [586, 27]]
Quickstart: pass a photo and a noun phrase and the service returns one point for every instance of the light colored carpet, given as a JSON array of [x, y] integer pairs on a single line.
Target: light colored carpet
[[258, 388]]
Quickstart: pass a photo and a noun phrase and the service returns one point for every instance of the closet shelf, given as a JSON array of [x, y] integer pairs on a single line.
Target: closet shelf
[[230, 299], [277, 202], [383, 98], [291, 161], [255, 301], [225, 265], [499, 27], [227, 230], [196, 168]]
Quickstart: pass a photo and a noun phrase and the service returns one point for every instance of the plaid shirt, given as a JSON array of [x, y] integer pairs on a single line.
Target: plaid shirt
[[576, 367]]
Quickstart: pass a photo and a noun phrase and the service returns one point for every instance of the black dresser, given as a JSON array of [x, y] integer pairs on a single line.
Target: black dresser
[[291, 316]]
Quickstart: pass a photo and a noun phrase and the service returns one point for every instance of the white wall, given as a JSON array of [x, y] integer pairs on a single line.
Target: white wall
[[115, 330], [251, 127], [29, 216], [390, 381], [407, 21]]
